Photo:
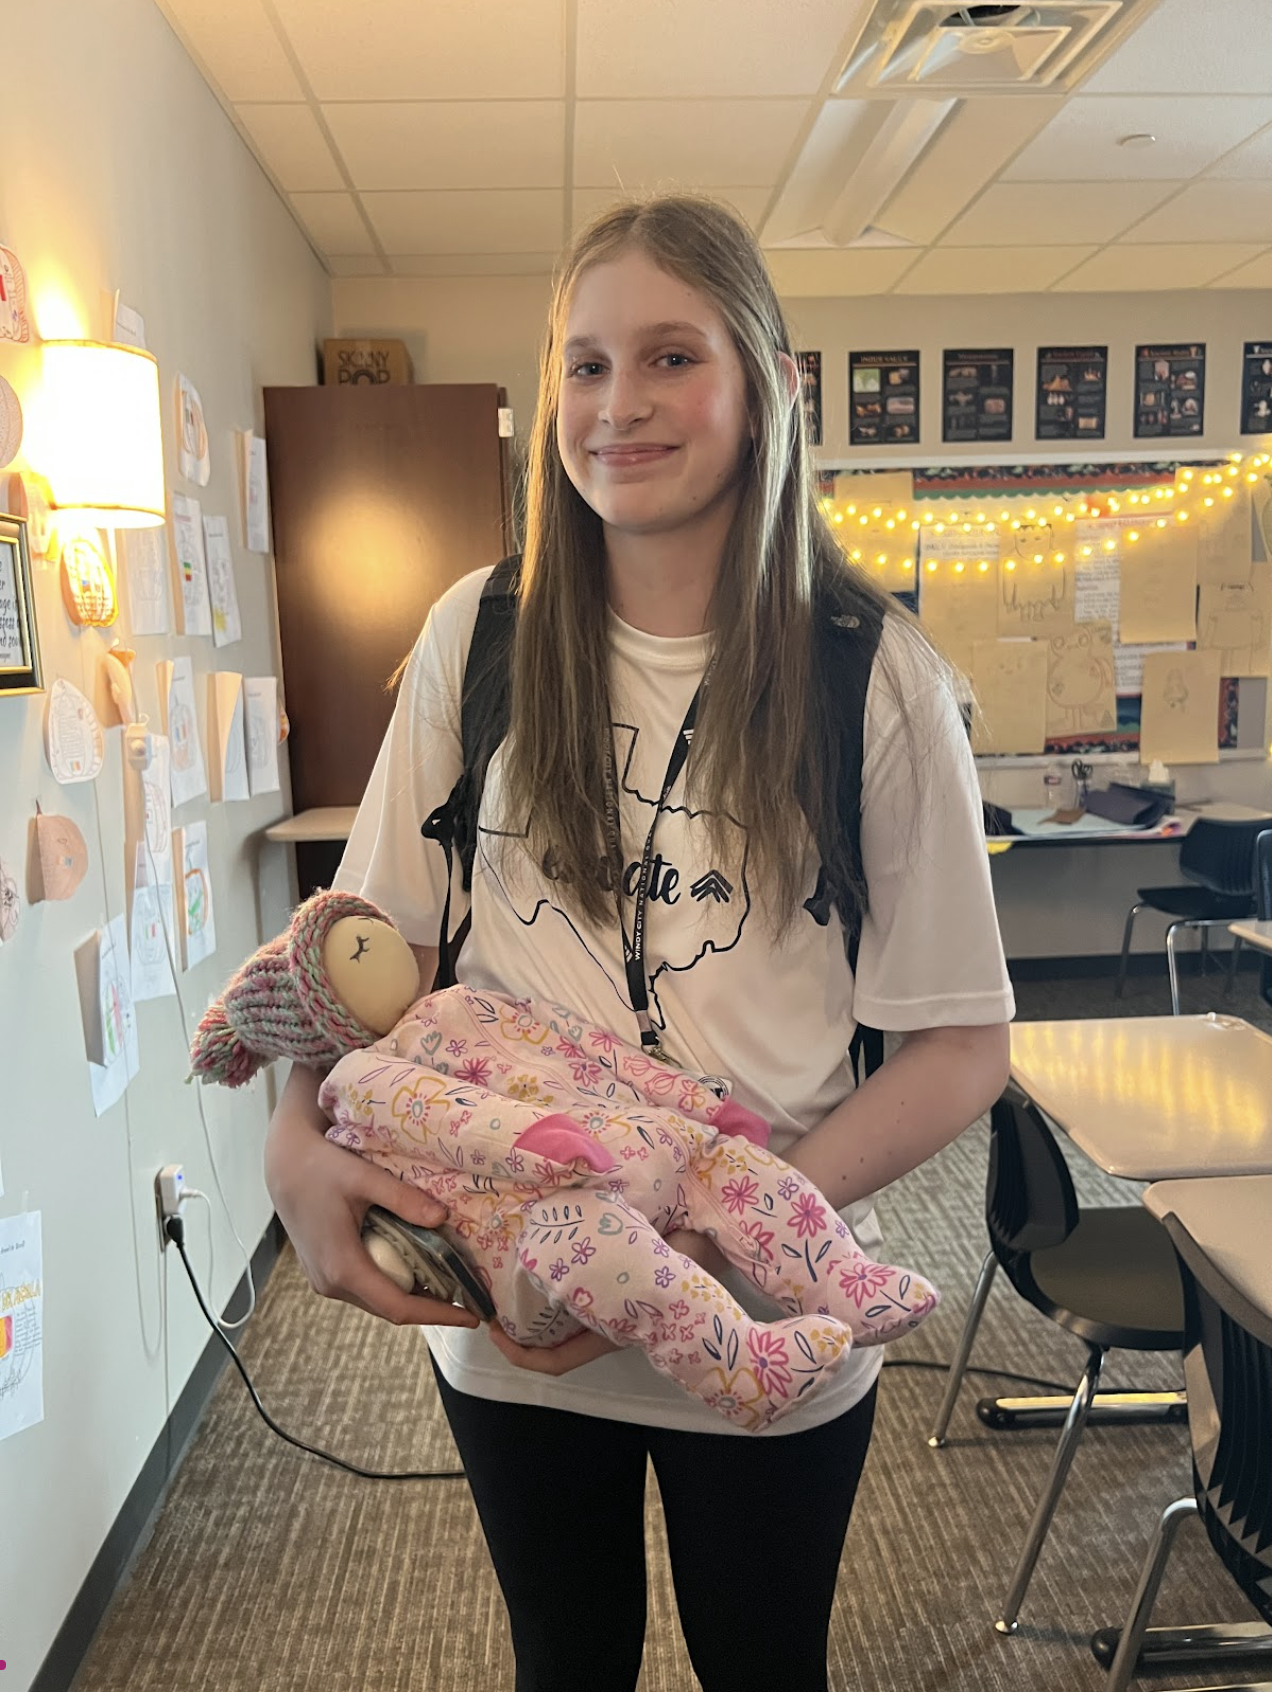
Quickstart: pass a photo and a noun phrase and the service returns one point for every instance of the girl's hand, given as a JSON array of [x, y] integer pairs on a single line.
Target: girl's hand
[[322, 1191], [582, 1349], [552, 1361]]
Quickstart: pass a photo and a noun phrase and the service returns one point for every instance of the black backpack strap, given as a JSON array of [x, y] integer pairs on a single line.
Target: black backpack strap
[[485, 706], [847, 635]]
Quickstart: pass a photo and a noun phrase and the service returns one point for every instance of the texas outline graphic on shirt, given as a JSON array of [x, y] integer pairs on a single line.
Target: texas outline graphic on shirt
[[724, 898]]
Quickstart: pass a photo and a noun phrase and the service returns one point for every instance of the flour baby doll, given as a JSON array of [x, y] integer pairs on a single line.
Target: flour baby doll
[[564, 1157]]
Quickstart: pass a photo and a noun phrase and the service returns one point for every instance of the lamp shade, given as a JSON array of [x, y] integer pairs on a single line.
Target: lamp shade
[[102, 451]]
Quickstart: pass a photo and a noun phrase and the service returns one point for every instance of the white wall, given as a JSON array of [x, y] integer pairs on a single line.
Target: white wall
[[121, 171]]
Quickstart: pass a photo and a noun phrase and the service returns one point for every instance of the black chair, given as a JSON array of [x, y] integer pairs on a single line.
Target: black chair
[[1217, 857], [1106, 1274], [1263, 901], [1228, 1376]]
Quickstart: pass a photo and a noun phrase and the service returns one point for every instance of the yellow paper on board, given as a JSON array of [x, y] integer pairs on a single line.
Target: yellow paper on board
[[1034, 597], [959, 608], [1235, 619], [1159, 585], [1081, 699], [1010, 679], [874, 532], [1179, 711], [1225, 536]]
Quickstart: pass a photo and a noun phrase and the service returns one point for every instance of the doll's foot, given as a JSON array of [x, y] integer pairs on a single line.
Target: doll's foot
[[753, 1374]]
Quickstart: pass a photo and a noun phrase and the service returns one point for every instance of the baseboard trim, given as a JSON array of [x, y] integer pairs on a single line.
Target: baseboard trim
[[132, 1527], [1065, 966]]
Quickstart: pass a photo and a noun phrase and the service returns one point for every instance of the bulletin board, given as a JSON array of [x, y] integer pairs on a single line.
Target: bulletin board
[[1091, 608]]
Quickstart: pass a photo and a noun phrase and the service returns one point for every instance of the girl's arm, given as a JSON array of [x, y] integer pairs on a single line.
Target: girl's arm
[[921, 1099]]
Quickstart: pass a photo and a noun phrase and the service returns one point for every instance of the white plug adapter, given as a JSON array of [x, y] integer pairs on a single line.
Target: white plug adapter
[[170, 1191]]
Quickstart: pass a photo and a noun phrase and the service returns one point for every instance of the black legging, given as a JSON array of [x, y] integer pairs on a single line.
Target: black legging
[[755, 1527]]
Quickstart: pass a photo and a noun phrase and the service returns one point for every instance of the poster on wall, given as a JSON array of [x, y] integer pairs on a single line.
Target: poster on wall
[[810, 376], [883, 398], [977, 394], [1170, 389], [1072, 393], [21, 1323], [1256, 388]]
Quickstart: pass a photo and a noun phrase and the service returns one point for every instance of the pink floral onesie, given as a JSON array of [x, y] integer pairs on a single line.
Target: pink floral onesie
[[564, 1157]]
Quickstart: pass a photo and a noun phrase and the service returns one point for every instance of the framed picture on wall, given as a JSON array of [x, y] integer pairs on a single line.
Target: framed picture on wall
[[19, 639]]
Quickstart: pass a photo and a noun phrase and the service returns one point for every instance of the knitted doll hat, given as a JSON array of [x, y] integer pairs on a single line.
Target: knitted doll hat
[[281, 1004]]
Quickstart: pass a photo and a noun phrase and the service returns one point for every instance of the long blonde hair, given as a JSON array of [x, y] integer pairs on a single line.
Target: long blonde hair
[[755, 758]]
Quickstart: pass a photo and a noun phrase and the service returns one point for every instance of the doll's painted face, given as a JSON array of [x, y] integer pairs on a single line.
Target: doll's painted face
[[372, 970]]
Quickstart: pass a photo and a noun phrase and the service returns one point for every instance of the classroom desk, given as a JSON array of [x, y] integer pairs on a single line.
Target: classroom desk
[[1229, 1217], [1256, 932], [1154, 1098], [1096, 832]]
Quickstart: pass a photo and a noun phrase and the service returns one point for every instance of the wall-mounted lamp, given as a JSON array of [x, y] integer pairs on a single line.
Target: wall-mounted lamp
[[102, 446]]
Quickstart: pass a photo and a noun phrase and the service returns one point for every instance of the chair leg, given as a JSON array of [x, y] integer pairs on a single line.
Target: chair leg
[[958, 1365], [1171, 966], [1066, 1447], [1126, 949], [1232, 963], [1128, 1647]]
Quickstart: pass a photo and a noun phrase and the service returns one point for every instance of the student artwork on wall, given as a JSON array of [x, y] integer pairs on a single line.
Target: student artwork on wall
[[10, 903], [10, 423], [227, 739], [148, 580], [260, 704], [255, 480], [59, 856], [108, 1014], [1170, 389], [194, 609], [152, 932], [14, 323], [21, 1323], [152, 924], [883, 399], [1011, 696], [1180, 707], [222, 591], [1080, 693], [977, 394], [192, 434], [197, 926], [1256, 388], [181, 726], [73, 741], [1072, 393], [810, 376]]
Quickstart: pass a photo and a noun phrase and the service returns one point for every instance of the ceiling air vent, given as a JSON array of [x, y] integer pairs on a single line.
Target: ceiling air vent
[[933, 45]]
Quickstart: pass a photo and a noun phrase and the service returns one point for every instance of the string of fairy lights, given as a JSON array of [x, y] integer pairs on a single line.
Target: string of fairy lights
[[987, 523]]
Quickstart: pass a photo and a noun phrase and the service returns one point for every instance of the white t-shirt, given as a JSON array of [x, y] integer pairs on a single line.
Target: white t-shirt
[[774, 1018]]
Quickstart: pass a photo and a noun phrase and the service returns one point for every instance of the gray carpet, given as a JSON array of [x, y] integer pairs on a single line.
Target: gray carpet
[[267, 1569]]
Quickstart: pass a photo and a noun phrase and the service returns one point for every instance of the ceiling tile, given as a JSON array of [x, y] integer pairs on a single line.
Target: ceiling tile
[[980, 137], [809, 274], [749, 203], [1252, 159], [1007, 270], [1256, 274], [1080, 143], [472, 264], [642, 142], [356, 264], [334, 222], [694, 48], [1184, 48], [451, 143], [442, 50], [237, 47], [1211, 211], [1143, 268], [1050, 213], [468, 221], [291, 145]]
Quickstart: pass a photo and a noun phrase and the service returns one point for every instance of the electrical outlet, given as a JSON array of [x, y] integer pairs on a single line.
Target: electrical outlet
[[169, 1193]]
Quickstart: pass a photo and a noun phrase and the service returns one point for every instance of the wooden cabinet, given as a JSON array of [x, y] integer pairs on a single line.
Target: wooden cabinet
[[381, 498]]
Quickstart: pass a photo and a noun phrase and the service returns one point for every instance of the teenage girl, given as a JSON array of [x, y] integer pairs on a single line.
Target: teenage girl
[[673, 552]]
